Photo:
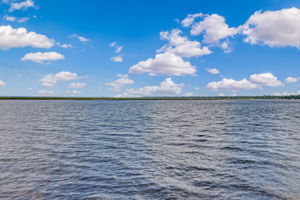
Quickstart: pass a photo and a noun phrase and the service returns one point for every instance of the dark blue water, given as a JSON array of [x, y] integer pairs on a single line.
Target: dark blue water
[[150, 149]]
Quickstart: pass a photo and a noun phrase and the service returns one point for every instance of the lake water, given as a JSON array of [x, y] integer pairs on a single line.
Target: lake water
[[150, 149]]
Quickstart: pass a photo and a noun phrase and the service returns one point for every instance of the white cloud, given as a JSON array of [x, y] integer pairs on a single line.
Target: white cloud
[[164, 64], [278, 28], [265, 79], [117, 59], [50, 80], [119, 83], [117, 47], [83, 39], [189, 49], [21, 5], [65, 46], [173, 37], [214, 28], [255, 81], [112, 44], [45, 93], [80, 38], [10, 18], [181, 46], [20, 37], [225, 46], [166, 88], [212, 70], [169, 59], [74, 92], [77, 85], [40, 57], [274, 28], [230, 84], [285, 93], [291, 80], [2, 83], [23, 19], [189, 20]]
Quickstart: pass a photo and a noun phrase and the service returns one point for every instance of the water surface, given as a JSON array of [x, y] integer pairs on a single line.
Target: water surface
[[150, 149]]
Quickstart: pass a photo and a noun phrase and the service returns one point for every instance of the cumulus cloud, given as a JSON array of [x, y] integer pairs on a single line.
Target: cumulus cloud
[[166, 88], [173, 37], [50, 80], [214, 28], [80, 38], [40, 57], [181, 46], [45, 93], [2, 83], [21, 5], [119, 83], [291, 80], [77, 85], [255, 81], [278, 28], [164, 64], [231, 84], [212, 70], [169, 59], [20, 37], [117, 59], [190, 19], [274, 28], [225, 45], [265, 79]]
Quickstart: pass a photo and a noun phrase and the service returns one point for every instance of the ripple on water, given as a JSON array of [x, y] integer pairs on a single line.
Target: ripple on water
[[150, 150]]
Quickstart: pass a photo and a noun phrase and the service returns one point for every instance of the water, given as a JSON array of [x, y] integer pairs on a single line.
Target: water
[[150, 149]]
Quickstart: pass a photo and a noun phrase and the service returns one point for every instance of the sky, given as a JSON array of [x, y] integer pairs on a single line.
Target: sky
[[133, 48]]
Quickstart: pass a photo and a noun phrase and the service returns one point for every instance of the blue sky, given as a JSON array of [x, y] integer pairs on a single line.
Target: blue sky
[[149, 48]]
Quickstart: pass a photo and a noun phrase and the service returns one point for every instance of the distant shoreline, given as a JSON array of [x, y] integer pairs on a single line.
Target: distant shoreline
[[157, 98]]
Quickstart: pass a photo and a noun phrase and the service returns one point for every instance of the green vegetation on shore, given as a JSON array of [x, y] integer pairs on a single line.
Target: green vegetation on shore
[[155, 98]]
